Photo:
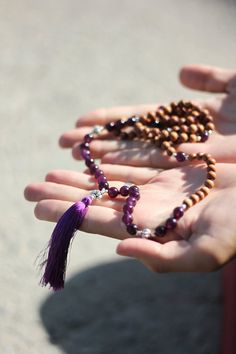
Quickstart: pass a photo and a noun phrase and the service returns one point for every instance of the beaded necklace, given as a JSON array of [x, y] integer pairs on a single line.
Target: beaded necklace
[[166, 128]]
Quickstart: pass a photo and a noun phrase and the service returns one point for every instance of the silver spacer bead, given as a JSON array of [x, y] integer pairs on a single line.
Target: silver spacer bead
[[145, 233], [97, 129], [97, 194]]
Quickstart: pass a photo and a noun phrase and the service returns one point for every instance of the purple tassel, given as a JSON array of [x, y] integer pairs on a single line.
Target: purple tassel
[[59, 243]]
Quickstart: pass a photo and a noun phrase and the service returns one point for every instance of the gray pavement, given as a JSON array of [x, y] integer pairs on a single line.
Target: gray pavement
[[58, 60]]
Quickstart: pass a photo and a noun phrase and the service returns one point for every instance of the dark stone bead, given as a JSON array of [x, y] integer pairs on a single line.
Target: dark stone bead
[[93, 168], [204, 136], [134, 192], [84, 146], [87, 201], [124, 191], [103, 184], [89, 162], [181, 156], [88, 138], [131, 200], [132, 229], [154, 124], [102, 178], [132, 120], [178, 212], [171, 223], [85, 153], [120, 124], [113, 192], [127, 219], [110, 126], [160, 231], [99, 173], [128, 208]]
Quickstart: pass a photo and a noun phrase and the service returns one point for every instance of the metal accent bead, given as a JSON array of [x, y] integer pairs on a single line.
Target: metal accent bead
[[145, 233], [97, 129], [97, 194]]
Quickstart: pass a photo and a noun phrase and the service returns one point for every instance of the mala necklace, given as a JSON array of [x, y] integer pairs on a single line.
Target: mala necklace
[[166, 128]]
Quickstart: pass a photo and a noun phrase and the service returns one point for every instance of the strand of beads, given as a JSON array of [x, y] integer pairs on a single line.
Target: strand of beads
[[166, 128]]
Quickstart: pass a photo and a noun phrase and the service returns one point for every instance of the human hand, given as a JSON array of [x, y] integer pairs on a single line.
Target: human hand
[[204, 239], [221, 144]]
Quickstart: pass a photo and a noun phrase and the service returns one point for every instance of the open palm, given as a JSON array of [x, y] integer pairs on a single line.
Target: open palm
[[204, 239], [221, 144]]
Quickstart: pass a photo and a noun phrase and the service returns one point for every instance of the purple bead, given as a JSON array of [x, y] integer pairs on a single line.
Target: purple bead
[[181, 156], [124, 191], [113, 192], [131, 201], [84, 146], [85, 153], [171, 223], [87, 201], [103, 184], [132, 120], [93, 168], [134, 192], [102, 178], [160, 231], [110, 126], [132, 229], [120, 124], [88, 138], [178, 212], [99, 173], [204, 136], [127, 218], [128, 208], [89, 162]]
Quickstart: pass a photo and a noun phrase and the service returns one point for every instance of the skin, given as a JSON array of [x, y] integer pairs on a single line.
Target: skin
[[205, 237]]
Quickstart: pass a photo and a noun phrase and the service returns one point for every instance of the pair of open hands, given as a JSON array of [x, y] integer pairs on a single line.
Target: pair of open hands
[[205, 237]]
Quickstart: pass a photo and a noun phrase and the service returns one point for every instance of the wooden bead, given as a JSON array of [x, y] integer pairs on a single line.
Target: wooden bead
[[200, 155], [210, 126], [183, 137], [184, 128], [195, 114], [192, 157], [173, 136], [193, 128], [174, 120], [200, 194], [201, 128], [165, 134], [188, 202], [205, 190], [211, 175], [182, 120], [211, 161], [209, 183], [170, 151], [176, 128], [190, 119], [195, 198], [206, 157], [211, 167], [193, 138], [165, 145]]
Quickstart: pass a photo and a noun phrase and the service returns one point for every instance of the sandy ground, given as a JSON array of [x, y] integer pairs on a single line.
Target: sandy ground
[[58, 60]]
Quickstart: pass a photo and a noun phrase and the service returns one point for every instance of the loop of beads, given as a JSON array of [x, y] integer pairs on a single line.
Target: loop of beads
[[166, 128]]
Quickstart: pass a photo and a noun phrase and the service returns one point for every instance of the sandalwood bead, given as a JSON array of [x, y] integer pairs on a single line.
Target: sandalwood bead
[[193, 138], [201, 128], [174, 120], [188, 202], [195, 198], [209, 183], [211, 167], [183, 137], [205, 190], [165, 134], [176, 128], [173, 136], [200, 155], [182, 120], [211, 175], [184, 128], [190, 119], [211, 161], [200, 194], [210, 126], [193, 128], [192, 156], [170, 151], [206, 157], [165, 145], [195, 114]]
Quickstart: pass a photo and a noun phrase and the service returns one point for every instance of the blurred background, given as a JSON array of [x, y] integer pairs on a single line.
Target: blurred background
[[58, 60]]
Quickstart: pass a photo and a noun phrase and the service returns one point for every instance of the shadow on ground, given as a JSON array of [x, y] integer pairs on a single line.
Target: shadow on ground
[[121, 307]]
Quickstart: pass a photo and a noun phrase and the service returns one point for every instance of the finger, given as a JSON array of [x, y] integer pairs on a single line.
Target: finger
[[206, 78], [72, 178], [68, 139], [136, 175], [98, 220], [98, 148], [174, 256], [105, 115]]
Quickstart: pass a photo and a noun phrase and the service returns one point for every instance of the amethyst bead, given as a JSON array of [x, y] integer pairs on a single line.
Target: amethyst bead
[[113, 192], [87, 201], [124, 191], [178, 212], [127, 219], [88, 138], [131, 200], [103, 184], [84, 146], [99, 173], [93, 168], [89, 162], [128, 208], [181, 156], [110, 126], [204, 136], [85, 153], [102, 178], [171, 223], [132, 229], [160, 231], [134, 192]]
